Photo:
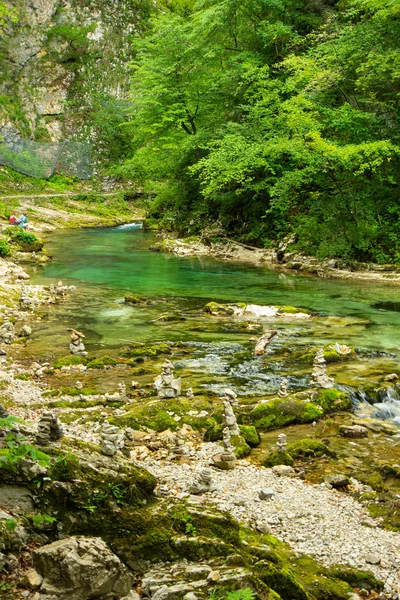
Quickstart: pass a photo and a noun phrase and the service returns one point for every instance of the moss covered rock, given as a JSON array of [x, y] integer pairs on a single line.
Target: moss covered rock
[[275, 458], [279, 413], [149, 350], [333, 400], [67, 361], [331, 355], [250, 434], [242, 449], [131, 299], [214, 308], [306, 448], [101, 362], [358, 579]]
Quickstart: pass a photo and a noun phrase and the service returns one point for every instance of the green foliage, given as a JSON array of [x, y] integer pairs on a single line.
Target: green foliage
[[20, 235], [7, 13], [274, 118], [4, 248], [243, 594], [42, 521], [69, 43], [16, 448], [182, 520]]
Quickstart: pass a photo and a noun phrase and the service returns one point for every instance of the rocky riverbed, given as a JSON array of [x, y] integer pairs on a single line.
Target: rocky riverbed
[[132, 454]]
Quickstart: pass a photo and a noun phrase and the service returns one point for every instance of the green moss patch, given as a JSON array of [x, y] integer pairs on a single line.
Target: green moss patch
[[214, 308], [333, 400], [307, 448], [67, 361], [101, 362], [149, 350], [277, 458], [250, 435], [279, 413], [331, 355]]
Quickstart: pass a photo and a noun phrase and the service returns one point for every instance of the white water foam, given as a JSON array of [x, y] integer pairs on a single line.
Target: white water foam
[[127, 226]]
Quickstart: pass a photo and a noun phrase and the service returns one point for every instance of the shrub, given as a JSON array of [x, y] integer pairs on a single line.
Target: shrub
[[22, 236], [4, 248]]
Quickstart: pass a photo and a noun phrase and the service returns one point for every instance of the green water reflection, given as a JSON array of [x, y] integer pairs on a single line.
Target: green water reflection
[[106, 263]]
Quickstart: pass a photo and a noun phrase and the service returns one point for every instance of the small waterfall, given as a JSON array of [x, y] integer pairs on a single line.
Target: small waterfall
[[384, 405], [128, 226]]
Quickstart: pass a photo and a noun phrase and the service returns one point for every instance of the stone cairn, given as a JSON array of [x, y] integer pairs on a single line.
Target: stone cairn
[[231, 396], [49, 429], [281, 443], [283, 393], [7, 332], [228, 416], [112, 439], [25, 301], [122, 391], [226, 459], [165, 384], [178, 447], [319, 376], [201, 483], [76, 345], [189, 394]]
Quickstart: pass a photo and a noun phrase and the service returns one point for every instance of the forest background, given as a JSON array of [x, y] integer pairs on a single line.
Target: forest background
[[263, 119]]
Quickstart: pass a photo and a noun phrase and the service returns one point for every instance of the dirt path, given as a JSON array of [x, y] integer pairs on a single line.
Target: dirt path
[[60, 195]]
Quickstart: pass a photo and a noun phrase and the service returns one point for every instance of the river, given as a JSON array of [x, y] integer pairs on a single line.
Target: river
[[106, 263]]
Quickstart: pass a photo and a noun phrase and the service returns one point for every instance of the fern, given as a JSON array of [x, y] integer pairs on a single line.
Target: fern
[[244, 594]]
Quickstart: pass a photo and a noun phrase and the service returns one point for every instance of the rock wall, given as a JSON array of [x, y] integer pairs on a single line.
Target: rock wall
[[63, 61]]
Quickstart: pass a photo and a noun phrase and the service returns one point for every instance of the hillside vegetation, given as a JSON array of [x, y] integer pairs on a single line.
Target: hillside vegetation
[[273, 117]]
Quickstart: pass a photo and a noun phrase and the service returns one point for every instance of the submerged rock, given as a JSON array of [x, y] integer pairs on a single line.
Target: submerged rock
[[216, 309], [353, 431]]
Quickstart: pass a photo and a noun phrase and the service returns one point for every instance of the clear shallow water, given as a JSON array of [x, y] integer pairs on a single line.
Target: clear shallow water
[[106, 263]]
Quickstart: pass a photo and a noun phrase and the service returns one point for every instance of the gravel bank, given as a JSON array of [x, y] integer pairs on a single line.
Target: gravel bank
[[312, 519]]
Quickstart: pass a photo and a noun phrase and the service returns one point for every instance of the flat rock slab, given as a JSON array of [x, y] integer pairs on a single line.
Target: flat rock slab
[[16, 498]]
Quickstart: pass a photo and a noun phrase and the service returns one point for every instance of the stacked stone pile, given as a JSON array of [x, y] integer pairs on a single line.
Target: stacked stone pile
[[112, 439], [319, 375], [49, 429]]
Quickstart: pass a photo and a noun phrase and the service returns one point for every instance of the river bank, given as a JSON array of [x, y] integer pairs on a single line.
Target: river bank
[[230, 250], [157, 525]]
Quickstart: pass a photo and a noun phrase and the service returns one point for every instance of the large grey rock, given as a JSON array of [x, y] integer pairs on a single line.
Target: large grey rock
[[16, 498], [80, 568]]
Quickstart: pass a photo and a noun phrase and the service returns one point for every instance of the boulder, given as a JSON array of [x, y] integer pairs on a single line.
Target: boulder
[[81, 568]]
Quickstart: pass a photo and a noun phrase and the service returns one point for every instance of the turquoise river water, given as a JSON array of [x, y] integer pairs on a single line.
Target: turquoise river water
[[106, 263]]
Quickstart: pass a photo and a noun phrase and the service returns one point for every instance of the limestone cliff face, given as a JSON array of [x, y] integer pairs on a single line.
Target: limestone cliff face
[[62, 60]]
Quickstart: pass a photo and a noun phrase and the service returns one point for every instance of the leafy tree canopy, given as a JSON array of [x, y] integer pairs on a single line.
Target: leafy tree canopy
[[274, 117]]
